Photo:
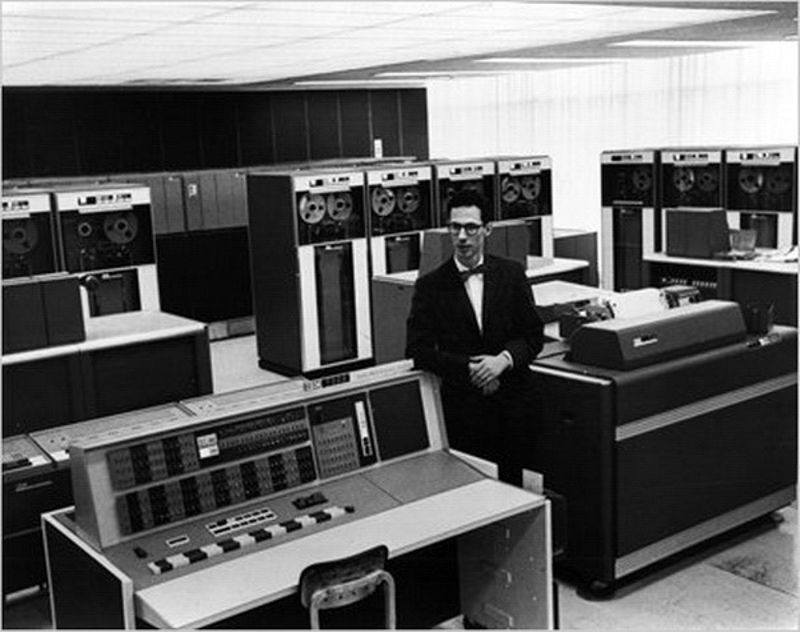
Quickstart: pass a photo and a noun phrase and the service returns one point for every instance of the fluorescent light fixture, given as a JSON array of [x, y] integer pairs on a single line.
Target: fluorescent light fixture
[[344, 82], [442, 73], [655, 43], [549, 60]]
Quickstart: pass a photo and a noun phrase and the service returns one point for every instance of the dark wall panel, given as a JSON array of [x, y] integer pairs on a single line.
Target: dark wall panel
[[97, 126], [180, 130], [53, 133], [60, 133], [323, 123], [217, 113], [140, 132], [386, 120], [16, 161], [255, 129], [414, 122], [291, 131], [356, 139], [50, 130]]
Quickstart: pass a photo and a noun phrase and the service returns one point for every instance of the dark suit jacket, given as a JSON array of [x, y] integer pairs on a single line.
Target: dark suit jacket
[[442, 332]]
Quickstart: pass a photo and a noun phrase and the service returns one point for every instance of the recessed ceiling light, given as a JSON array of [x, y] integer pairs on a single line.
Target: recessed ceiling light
[[548, 60], [654, 43]]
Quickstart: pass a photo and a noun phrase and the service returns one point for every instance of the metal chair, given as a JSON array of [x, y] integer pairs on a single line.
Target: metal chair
[[338, 583]]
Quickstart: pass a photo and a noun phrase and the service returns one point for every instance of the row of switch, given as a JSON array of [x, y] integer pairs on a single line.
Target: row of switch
[[244, 540], [208, 491], [225, 525]]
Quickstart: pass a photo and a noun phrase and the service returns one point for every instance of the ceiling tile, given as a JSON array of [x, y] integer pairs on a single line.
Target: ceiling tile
[[45, 42]]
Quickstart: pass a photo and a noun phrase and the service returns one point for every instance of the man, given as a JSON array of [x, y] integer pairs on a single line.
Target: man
[[473, 323]]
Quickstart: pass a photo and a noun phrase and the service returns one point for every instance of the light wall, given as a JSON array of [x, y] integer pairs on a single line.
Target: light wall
[[721, 98]]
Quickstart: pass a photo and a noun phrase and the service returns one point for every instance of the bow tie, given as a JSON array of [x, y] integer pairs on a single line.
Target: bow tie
[[468, 273]]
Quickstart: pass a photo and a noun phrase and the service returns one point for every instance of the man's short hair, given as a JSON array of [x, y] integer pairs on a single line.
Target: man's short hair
[[469, 197]]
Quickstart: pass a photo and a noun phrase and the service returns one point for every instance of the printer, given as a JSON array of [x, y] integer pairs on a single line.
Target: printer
[[662, 431]]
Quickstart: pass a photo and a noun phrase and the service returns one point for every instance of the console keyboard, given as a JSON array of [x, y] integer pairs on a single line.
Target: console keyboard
[[234, 543]]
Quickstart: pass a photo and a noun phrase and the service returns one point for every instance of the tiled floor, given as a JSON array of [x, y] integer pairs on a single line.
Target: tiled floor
[[749, 581]]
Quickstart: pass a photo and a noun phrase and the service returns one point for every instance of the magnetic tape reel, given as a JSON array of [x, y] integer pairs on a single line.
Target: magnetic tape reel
[[408, 199], [778, 183], [311, 208], [511, 189], [340, 206], [121, 228], [642, 179], [85, 229], [750, 180], [708, 180], [683, 179], [20, 239], [531, 187], [383, 201]]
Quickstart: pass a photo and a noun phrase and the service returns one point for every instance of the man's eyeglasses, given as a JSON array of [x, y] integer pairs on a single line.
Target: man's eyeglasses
[[471, 229]]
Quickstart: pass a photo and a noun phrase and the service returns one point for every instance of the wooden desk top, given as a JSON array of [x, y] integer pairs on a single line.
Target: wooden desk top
[[103, 332], [246, 582]]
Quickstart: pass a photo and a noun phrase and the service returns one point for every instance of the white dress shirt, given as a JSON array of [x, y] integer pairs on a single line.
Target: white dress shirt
[[474, 287]]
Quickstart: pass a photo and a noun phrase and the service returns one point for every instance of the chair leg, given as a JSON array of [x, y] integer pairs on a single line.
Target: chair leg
[[389, 600], [313, 611]]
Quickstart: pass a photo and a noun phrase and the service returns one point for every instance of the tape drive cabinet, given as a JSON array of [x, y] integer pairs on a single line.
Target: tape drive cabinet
[[761, 193], [630, 216], [107, 236], [453, 176], [400, 209], [310, 270], [30, 245]]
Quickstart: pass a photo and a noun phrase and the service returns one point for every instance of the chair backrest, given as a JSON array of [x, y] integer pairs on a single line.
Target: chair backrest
[[333, 572]]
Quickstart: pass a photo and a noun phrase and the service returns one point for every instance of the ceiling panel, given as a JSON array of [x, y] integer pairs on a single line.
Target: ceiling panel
[[110, 43], [123, 11]]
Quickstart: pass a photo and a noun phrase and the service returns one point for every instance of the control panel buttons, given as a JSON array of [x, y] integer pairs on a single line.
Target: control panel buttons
[[303, 502]]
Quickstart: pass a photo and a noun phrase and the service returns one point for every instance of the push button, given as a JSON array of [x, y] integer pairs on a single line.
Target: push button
[[317, 498], [228, 545], [196, 555]]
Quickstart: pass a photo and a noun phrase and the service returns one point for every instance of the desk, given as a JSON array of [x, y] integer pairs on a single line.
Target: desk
[[210, 537], [759, 282], [391, 300], [498, 526], [129, 360], [543, 269]]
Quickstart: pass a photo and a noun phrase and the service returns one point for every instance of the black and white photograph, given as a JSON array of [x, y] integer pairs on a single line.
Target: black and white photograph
[[391, 314]]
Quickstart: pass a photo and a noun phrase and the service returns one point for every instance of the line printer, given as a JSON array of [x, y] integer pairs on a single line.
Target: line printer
[[664, 430]]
